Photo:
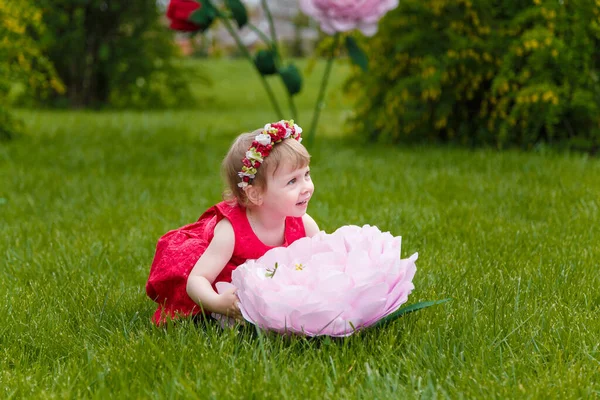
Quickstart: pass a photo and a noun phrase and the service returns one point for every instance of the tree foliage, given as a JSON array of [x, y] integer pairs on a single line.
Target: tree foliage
[[112, 52]]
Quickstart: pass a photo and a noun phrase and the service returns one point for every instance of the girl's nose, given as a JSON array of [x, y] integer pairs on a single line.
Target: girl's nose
[[308, 187]]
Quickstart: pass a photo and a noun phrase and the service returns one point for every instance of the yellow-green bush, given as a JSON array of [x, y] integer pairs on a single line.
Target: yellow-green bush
[[507, 72], [21, 60]]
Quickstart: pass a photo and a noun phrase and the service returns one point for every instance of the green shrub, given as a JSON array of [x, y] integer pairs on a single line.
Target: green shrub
[[9, 125], [112, 52], [21, 60], [484, 72]]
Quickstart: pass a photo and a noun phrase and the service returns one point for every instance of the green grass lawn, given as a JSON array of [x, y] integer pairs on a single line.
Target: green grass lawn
[[512, 237]]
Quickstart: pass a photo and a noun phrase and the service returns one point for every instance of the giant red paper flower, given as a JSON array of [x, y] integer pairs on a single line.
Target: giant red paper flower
[[330, 284], [179, 12], [346, 15]]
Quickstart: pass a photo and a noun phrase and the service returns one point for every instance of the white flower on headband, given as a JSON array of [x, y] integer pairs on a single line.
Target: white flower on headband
[[263, 139], [254, 155], [261, 147]]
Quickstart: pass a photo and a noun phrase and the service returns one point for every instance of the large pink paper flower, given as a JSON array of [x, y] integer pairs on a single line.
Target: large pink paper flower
[[346, 15], [326, 285]]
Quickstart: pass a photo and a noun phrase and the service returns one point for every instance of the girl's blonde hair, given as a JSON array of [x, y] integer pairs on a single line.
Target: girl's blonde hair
[[288, 149]]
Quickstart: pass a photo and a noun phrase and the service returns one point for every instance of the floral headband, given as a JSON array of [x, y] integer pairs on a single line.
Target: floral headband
[[263, 144]]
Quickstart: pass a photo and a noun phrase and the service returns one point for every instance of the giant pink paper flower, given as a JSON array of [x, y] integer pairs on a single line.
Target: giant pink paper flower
[[346, 15], [331, 284]]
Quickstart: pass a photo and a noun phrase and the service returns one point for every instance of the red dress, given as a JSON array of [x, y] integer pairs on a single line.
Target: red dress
[[178, 250]]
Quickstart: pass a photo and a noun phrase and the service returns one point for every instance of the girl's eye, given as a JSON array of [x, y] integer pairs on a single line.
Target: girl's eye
[[292, 181], [307, 173]]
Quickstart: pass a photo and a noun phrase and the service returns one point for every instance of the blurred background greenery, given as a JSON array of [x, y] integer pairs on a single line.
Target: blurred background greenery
[[118, 124], [473, 72]]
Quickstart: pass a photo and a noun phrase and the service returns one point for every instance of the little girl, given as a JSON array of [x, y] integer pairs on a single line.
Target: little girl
[[268, 188]]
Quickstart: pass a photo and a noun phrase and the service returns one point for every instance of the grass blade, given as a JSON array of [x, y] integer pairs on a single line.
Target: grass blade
[[408, 309]]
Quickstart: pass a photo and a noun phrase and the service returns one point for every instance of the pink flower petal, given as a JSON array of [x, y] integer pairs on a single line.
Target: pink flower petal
[[224, 286], [326, 284], [368, 29], [345, 15], [316, 322]]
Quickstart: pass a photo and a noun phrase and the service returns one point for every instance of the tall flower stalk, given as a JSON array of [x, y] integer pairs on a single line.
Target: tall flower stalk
[[319, 104], [293, 109], [248, 56], [334, 17]]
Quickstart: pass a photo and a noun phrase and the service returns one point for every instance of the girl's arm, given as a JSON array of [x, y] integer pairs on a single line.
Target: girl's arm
[[207, 268], [310, 226]]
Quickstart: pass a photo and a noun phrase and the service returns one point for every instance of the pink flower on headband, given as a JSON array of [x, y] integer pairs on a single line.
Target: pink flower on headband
[[263, 144]]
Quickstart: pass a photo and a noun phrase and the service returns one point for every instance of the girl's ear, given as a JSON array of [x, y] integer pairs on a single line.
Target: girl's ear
[[254, 195]]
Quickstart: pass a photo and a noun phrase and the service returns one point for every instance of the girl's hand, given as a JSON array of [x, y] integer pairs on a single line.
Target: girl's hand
[[228, 305]]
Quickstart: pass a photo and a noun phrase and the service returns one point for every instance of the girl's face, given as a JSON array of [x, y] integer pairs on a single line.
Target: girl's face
[[288, 190]]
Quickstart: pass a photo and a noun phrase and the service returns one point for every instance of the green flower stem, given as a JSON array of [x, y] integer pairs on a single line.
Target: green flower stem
[[319, 103], [260, 33], [293, 108], [246, 54], [271, 24], [265, 6]]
